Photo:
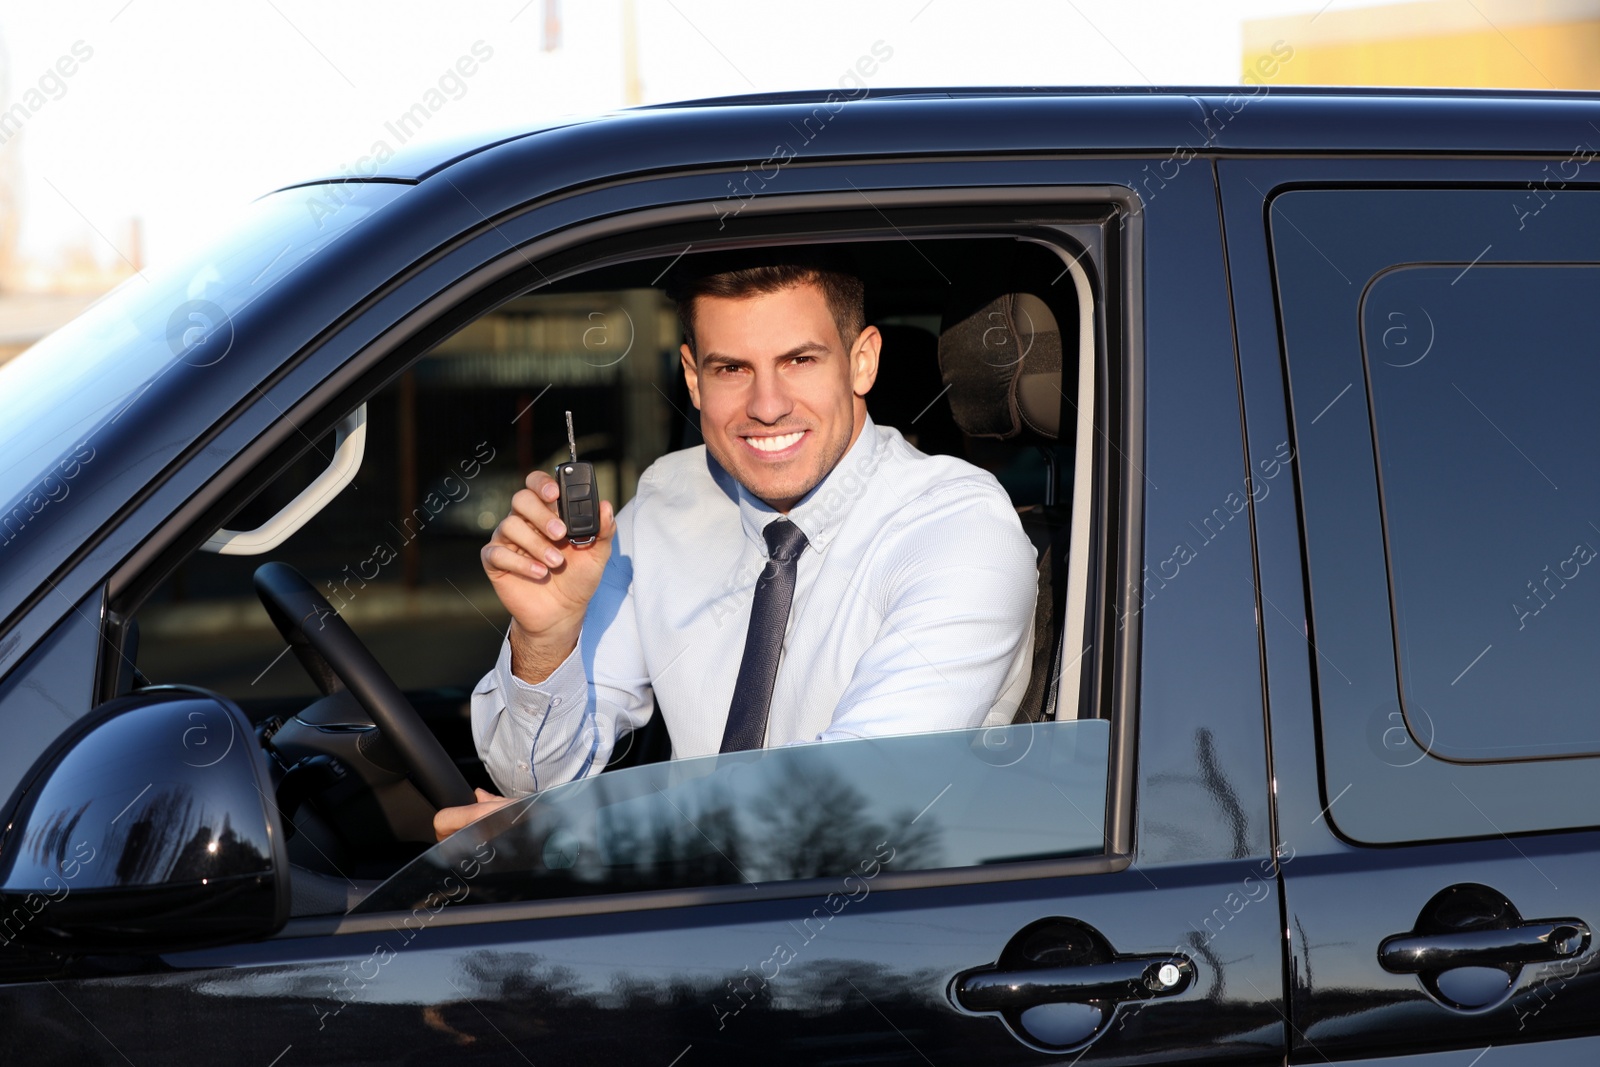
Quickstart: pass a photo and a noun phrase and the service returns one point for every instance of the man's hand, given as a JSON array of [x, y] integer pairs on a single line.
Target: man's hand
[[543, 580], [447, 821]]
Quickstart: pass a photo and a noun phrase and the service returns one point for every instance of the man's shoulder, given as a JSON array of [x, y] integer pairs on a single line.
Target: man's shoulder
[[937, 514], [922, 481], [687, 478], [915, 490]]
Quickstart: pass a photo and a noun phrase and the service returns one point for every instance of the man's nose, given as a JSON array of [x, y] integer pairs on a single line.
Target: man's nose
[[769, 399]]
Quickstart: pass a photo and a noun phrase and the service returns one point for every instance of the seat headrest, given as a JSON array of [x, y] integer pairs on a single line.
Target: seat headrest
[[1002, 364]]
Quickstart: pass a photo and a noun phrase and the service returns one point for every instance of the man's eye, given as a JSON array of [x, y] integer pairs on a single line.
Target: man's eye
[[803, 359]]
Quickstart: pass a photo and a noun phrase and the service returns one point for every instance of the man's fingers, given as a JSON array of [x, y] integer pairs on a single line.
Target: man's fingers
[[608, 527], [447, 821], [543, 487], [531, 507], [507, 560], [516, 531], [530, 541]]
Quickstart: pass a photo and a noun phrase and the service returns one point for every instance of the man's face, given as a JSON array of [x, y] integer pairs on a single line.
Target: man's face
[[780, 397]]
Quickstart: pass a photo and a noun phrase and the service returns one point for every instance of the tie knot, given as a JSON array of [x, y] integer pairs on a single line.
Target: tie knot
[[785, 540]]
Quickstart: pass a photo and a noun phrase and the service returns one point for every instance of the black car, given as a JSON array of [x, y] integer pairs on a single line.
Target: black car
[[1295, 393]]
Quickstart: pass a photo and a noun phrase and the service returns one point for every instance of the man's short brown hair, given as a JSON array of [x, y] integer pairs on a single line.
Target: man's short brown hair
[[773, 272]]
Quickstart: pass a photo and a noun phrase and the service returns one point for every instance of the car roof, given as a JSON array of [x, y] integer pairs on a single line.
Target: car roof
[[991, 91], [1201, 118]]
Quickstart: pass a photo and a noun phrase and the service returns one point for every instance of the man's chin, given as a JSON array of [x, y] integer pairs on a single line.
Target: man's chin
[[778, 484], [776, 493], [775, 486]]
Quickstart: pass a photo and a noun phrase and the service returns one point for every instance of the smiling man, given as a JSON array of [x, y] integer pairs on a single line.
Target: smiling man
[[805, 575]]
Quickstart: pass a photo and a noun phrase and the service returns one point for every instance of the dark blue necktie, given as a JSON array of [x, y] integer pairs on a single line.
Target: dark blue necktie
[[763, 644]]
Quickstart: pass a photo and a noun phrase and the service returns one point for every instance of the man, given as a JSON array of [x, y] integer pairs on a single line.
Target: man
[[806, 575]]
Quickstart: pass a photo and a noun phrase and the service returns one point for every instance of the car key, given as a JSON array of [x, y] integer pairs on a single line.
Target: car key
[[577, 505]]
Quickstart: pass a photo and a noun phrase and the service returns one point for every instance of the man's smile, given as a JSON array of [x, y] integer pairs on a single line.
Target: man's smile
[[775, 446]]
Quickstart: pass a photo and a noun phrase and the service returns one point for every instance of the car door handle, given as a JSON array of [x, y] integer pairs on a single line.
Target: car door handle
[[1117, 980], [1536, 942]]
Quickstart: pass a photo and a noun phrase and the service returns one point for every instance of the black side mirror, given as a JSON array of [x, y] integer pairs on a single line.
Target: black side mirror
[[148, 829]]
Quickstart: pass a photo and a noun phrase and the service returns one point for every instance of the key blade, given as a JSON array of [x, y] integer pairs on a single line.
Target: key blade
[[572, 442]]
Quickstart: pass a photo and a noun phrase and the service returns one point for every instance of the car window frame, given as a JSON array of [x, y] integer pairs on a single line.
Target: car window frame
[[583, 247]]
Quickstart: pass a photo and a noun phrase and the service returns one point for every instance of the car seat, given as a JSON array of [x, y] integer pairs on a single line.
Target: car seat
[[1000, 357]]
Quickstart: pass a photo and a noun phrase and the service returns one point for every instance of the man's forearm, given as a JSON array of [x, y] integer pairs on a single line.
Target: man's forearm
[[534, 657], [532, 736]]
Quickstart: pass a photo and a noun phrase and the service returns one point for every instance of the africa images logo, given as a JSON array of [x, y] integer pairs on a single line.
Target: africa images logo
[[199, 332]]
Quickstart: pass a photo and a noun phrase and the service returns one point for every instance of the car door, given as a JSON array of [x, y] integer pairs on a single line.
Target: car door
[[1152, 924], [1433, 724]]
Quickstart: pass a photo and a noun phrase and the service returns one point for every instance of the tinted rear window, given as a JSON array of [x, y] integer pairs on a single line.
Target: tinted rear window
[[1485, 384]]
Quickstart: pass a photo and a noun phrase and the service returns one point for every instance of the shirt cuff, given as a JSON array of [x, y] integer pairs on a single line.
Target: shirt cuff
[[566, 688], [538, 740]]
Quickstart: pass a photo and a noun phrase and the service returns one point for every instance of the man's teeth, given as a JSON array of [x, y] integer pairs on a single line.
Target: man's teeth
[[775, 444]]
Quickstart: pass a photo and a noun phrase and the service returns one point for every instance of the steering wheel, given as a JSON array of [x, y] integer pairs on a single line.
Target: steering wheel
[[336, 659]]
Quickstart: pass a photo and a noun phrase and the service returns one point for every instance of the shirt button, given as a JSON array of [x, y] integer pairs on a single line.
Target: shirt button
[[556, 703], [522, 766]]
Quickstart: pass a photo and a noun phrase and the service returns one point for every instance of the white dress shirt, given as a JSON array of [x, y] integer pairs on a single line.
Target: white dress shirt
[[912, 612]]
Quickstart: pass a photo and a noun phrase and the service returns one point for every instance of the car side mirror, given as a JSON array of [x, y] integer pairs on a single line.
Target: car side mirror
[[149, 828]]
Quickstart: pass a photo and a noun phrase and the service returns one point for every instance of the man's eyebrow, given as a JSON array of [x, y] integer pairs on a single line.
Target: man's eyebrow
[[801, 349]]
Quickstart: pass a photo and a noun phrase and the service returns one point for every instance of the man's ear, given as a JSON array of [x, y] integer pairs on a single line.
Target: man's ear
[[691, 374], [864, 360]]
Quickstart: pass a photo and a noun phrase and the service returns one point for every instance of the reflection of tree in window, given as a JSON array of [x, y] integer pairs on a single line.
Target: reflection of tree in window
[[813, 811], [803, 824], [695, 845], [816, 826]]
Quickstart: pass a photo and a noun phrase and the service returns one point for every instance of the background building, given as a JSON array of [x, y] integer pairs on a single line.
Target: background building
[[1506, 44]]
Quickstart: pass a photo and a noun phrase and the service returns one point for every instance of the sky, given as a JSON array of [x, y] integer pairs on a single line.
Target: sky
[[180, 112]]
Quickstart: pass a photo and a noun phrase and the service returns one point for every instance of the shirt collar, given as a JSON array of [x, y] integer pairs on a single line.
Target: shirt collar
[[821, 512]]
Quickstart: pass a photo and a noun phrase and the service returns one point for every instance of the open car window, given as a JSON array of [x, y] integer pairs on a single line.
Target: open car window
[[451, 438], [960, 798]]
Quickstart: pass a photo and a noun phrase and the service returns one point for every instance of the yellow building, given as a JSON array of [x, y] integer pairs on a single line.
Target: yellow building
[[1508, 44]]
